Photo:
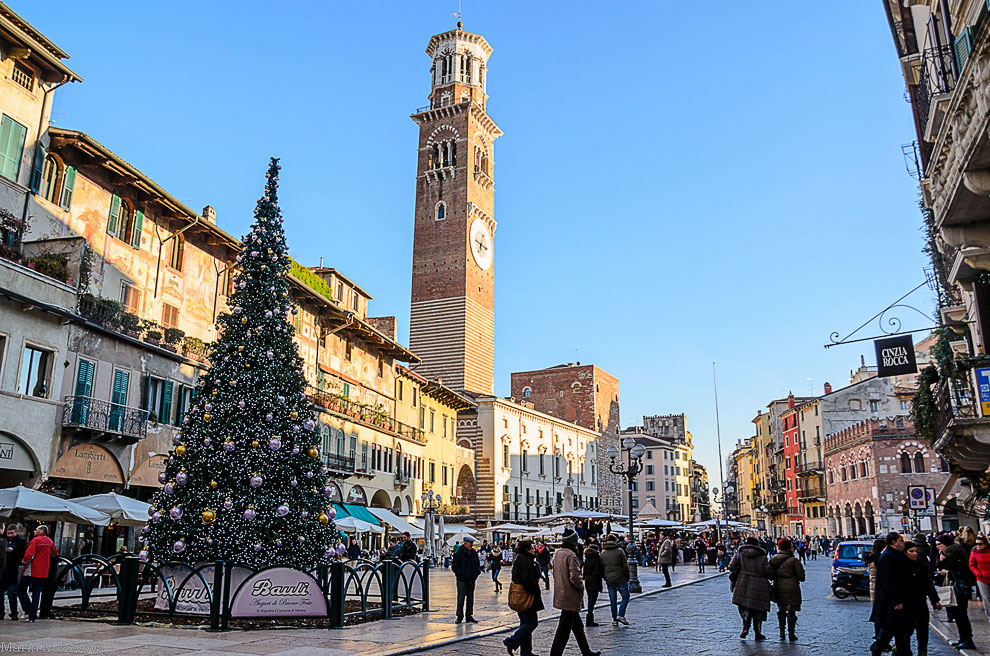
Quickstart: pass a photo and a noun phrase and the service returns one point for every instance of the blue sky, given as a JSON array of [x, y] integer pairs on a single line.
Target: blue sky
[[678, 183]]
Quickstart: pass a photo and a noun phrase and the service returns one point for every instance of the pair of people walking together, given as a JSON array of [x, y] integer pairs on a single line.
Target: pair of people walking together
[[750, 575]]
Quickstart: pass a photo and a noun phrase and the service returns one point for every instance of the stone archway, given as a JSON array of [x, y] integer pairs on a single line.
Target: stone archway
[[871, 524], [850, 523], [381, 500], [18, 462], [860, 522], [465, 491]]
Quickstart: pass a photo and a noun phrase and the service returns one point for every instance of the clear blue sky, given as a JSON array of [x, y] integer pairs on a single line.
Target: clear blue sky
[[678, 183]]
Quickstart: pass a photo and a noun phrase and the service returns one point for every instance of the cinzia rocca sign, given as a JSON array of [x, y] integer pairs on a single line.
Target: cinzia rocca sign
[[895, 356]]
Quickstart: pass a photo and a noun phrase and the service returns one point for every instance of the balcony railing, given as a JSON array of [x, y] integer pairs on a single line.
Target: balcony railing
[[954, 399], [810, 466], [905, 38], [776, 507], [936, 77], [339, 463], [812, 490], [83, 412], [793, 510], [402, 479]]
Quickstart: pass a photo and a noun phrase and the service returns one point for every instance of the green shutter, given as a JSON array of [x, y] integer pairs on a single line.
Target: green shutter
[[38, 170], [84, 378], [138, 224], [963, 44], [119, 392], [11, 147], [68, 185], [114, 215], [166, 403]]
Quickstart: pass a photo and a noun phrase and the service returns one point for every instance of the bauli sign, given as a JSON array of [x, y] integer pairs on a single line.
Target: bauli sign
[[895, 356], [279, 592]]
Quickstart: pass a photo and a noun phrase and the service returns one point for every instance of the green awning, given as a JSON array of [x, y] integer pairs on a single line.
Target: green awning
[[360, 512], [340, 510]]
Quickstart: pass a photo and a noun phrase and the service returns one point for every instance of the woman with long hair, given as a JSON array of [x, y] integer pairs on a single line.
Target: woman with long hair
[[526, 572]]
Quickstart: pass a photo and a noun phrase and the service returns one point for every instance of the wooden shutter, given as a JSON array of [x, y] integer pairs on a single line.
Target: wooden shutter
[[11, 147], [84, 378], [166, 417], [138, 224], [38, 170], [114, 215], [962, 47], [68, 185], [119, 392]]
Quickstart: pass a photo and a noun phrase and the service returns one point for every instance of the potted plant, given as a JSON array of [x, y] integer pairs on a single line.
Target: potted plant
[[130, 324], [52, 265], [152, 332], [172, 337]]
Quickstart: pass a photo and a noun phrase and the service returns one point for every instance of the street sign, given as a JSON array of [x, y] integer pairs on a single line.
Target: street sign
[[983, 385], [917, 497], [895, 356]]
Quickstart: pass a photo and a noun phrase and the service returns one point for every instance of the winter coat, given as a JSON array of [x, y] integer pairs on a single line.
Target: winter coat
[[920, 588], [788, 575], [666, 554], [956, 561], [594, 570], [615, 563], [38, 556], [18, 546], [495, 562], [892, 577], [465, 565], [568, 588], [527, 574], [979, 564], [544, 556], [407, 551], [752, 587]]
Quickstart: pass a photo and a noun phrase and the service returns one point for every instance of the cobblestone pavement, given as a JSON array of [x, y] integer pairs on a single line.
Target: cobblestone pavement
[[700, 619]]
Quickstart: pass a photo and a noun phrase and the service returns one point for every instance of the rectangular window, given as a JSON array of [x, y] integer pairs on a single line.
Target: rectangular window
[[505, 456], [524, 459], [158, 400], [398, 390], [12, 136], [904, 405], [118, 400], [443, 422], [444, 475], [422, 418], [170, 316], [432, 420], [130, 298], [23, 76], [354, 302], [412, 392], [433, 472], [874, 406], [177, 252], [381, 364], [35, 371], [649, 486], [649, 470], [649, 455], [542, 465], [347, 350]]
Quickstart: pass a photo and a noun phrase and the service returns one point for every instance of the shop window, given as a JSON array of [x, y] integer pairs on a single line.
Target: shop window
[[36, 367]]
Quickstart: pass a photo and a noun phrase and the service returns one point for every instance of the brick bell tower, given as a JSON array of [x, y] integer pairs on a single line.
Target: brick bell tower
[[452, 318]]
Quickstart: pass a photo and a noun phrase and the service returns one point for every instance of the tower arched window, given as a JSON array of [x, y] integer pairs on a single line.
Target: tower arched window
[[527, 392], [905, 463], [919, 462], [436, 160], [441, 211]]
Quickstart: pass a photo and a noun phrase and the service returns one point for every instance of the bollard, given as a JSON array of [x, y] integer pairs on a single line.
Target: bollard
[[216, 596], [225, 595], [127, 594], [425, 580], [336, 588], [389, 584]]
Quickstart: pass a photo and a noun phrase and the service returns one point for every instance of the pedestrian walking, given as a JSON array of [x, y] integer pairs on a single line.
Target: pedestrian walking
[[953, 564], [979, 565], [891, 591], [665, 558], [525, 574], [445, 554], [870, 559], [568, 594], [37, 561], [495, 564], [466, 570], [788, 575], [16, 546], [749, 574], [921, 591], [544, 560], [594, 574], [701, 552], [616, 570], [721, 555]]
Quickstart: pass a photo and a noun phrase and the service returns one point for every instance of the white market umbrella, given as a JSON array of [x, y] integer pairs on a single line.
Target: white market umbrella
[[355, 525], [649, 511], [24, 503], [438, 539], [124, 510], [510, 529], [457, 538], [428, 546], [662, 523]]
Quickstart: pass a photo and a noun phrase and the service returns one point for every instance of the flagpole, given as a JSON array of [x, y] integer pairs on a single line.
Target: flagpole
[[718, 433]]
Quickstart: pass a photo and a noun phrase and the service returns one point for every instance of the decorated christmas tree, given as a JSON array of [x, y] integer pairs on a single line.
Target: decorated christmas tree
[[244, 480]]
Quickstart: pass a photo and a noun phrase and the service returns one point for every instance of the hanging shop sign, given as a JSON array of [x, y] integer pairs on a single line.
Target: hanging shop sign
[[895, 356], [146, 474], [88, 462]]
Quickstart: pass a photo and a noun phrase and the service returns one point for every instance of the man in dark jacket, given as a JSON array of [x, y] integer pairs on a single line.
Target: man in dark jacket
[[467, 569], [890, 596], [16, 546], [615, 563], [543, 558], [593, 572], [408, 549]]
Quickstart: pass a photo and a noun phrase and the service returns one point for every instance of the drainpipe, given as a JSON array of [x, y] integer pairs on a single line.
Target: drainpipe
[[161, 244], [37, 143]]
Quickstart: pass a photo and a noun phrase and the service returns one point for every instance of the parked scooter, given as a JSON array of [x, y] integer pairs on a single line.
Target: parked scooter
[[853, 581]]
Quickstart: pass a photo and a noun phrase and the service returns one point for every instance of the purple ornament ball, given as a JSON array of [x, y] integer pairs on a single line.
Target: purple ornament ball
[[179, 546], [257, 547], [250, 514], [162, 478], [256, 481], [175, 513], [269, 417], [295, 450], [282, 510], [274, 444], [228, 504], [182, 478], [293, 482]]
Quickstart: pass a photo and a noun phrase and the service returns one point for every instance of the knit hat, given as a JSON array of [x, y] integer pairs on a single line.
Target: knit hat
[[919, 539], [946, 539], [591, 548], [570, 538]]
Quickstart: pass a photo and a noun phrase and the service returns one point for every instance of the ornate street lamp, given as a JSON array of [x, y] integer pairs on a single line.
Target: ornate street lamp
[[723, 512], [633, 466], [431, 503]]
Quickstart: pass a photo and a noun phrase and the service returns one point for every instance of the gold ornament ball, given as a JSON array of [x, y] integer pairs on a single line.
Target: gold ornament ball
[[294, 414], [214, 484], [180, 450], [240, 348], [209, 516], [243, 319], [263, 267], [269, 251], [207, 416], [313, 452], [214, 392], [324, 518], [247, 365], [254, 443]]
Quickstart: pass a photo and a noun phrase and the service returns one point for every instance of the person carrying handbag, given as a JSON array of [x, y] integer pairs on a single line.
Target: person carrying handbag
[[525, 586], [953, 563]]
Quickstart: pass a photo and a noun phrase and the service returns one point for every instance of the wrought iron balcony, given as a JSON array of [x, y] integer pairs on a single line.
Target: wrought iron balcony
[[402, 479], [812, 490], [810, 466], [905, 38], [340, 464], [105, 419], [793, 510], [776, 507], [937, 76]]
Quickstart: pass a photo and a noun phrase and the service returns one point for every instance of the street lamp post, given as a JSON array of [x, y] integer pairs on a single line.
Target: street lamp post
[[722, 513], [632, 467], [431, 503]]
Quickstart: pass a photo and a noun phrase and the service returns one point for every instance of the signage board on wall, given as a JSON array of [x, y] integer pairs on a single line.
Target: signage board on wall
[[917, 497], [983, 386], [895, 356]]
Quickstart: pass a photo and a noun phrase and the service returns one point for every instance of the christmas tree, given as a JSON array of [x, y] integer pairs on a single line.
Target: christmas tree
[[244, 480]]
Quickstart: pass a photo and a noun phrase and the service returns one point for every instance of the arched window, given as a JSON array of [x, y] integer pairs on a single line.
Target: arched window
[[52, 171], [576, 387], [441, 211], [527, 392], [831, 477], [919, 462], [905, 463], [862, 469]]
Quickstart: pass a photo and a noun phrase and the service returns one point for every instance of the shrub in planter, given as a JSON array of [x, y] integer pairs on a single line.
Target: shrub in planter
[[173, 336], [152, 331], [52, 265], [130, 323]]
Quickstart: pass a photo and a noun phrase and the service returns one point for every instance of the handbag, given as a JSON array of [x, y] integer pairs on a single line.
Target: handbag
[[519, 599], [946, 595]]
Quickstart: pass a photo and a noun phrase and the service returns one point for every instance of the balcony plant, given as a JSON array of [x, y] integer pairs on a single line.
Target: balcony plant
[[152, 332], [130, 324], [53, 265], [11, 232], [923, 408], [172, 337], [195, 349]]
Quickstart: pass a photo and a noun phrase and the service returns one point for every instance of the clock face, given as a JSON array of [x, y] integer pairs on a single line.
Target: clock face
[[481, 244]]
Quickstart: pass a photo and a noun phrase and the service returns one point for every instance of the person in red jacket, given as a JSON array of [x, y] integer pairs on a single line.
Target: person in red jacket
[[979, 564], [37, 560]]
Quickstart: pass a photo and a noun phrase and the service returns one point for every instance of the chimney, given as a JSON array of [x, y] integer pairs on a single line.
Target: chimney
[[790, 400], [210, 214], [828, 388]]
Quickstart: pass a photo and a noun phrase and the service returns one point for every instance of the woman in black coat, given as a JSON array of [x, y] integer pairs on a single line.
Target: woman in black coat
[[525, 572], [594, 573], [920, 590]]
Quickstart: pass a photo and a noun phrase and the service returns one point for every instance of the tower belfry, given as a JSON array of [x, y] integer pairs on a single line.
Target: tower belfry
[[452, 318]]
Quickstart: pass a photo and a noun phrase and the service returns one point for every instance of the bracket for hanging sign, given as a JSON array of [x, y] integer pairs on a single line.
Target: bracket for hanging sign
[[888, 325]]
